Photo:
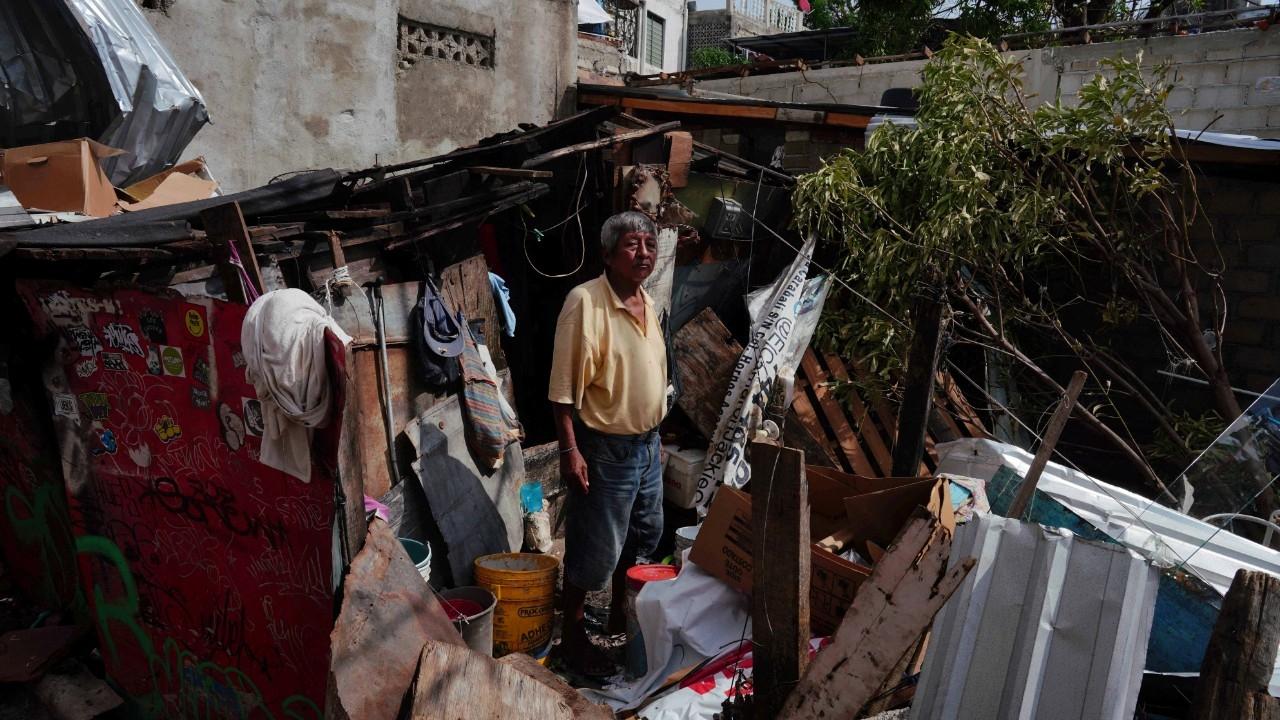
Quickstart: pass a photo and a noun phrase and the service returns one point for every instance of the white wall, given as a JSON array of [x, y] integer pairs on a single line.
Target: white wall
[[673, 60]]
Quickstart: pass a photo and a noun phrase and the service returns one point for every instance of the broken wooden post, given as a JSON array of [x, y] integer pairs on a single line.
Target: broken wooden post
[[1242, 652], [917, 397], [1056, 423], [780, 587], [225, 228], [892, 609]]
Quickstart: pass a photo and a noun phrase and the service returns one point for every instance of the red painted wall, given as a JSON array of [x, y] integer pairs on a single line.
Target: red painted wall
[[208, 575]]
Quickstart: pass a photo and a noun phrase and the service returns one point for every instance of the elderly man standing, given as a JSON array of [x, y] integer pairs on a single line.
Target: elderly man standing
[[608, 389]]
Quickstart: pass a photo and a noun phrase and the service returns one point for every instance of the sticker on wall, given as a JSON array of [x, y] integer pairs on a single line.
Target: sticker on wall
[[96, 405], [200, 398], [171, 361], [115, 362], [65, 406], [152, 324], [153, 361], [252, 416], [141, 455], [84, 339], [232, 427], [194, 320], [107, 442], [119, 336], [167, 429], [200, 370], [86, 368]]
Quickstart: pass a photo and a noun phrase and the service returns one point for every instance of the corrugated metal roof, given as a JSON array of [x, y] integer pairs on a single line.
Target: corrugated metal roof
[[1046, 626]]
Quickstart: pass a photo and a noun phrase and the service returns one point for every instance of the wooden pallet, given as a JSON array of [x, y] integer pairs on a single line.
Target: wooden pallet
[[858, 431]]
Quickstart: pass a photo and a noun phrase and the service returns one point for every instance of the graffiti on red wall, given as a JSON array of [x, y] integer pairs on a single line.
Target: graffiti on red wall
[[208, 574]]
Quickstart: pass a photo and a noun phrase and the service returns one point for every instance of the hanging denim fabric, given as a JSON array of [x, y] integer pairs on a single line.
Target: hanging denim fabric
[[491, 423], [440, 338]]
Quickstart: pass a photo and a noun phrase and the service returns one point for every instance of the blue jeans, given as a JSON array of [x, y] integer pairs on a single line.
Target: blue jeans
[[620, 517]]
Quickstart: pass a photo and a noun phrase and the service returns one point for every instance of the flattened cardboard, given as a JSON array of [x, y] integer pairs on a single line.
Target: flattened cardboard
[[62, 177], [868, 511], [723, 549], [141, 190], [173, 189]]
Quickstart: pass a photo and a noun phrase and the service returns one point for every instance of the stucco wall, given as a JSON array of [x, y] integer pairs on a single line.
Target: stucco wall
[[1235, 74], [298, 84]]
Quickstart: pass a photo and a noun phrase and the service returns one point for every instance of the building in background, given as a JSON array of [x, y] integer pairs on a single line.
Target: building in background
[[310, 84], [742, 18], [642, 36]]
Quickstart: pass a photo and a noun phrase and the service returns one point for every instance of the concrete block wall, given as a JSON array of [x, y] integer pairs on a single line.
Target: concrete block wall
[[1228, 81], [1244, 215]]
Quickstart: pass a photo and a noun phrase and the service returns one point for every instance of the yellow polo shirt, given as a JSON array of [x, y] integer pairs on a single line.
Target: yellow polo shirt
[[607, 364]]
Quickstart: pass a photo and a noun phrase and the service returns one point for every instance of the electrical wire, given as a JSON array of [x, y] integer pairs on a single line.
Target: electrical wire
[[575, 215]]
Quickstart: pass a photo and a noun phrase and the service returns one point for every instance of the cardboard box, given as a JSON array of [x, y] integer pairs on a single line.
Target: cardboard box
[[723, 549], [680, 476], [874, 509], [61, 177]]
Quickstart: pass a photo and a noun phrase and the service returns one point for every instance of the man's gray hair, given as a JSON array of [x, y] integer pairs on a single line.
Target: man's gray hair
[[621, 224]]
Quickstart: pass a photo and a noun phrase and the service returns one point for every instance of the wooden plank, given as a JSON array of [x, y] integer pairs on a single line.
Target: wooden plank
[[780, 600], [961, 408], [867, 428], [524, 173], [851, 120], [845, 436], [1238, 663], [465, 287], [1047, 443], [388, 613], [679, 158], [705, 354], [582, 708], [225, 224], [456, 682], [917, 381], [601, 143], [807, 417], [891, 611], [679, 107]]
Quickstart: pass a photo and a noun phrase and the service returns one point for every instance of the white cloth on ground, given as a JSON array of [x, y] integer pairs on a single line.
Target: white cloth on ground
[[285, 360], [684, 621]]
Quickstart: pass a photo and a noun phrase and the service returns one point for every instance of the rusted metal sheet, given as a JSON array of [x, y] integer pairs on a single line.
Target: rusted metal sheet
[[388, 615]]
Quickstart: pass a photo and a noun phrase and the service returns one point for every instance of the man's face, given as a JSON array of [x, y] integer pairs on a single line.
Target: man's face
[[633, 256]]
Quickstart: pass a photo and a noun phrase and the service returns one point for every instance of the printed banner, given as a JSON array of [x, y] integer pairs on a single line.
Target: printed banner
[[752, 382]]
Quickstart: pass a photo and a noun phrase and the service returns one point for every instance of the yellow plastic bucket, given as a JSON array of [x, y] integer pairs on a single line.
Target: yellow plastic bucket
[[525, 586]]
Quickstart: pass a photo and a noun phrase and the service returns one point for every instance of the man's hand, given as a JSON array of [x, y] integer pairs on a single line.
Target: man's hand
[[573, 470]]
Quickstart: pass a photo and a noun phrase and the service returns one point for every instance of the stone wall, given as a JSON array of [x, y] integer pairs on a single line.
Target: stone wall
[[299, 84], [1233, 74]]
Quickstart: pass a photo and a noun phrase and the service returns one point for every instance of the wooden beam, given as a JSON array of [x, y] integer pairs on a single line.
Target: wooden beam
[[510, 172], [917, 397], [705, 352], [601, 143], [1242, 652], [1056, 423], [845, 436], [224, 225], [866, 427], [780, 587], [851, 120], [891, 611]]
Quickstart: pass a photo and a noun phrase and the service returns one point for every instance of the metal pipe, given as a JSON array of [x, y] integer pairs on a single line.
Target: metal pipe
[[1198, 381]]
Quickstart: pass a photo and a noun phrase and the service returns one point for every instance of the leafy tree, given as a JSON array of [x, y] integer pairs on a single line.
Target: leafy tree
[[1054, 234], [713, 57]]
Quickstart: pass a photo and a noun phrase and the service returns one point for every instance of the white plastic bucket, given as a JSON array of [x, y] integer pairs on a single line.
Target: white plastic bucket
[[684, 540]]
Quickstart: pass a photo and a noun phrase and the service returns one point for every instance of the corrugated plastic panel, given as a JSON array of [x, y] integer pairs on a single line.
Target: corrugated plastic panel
[[1046, 626]]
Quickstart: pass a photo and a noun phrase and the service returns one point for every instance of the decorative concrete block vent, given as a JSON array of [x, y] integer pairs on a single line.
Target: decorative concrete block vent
[[419, 40]]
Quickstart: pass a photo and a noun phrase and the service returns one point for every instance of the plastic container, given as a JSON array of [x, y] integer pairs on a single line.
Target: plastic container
[[637, 578], [684, 540], [420, 554], [531, 496], [525, 587], [470, 609]]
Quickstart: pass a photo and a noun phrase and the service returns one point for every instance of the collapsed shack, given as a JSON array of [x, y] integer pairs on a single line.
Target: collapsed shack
[[213, 585]]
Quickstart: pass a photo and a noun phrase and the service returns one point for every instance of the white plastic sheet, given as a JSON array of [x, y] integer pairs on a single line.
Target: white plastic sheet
[[684, 621]]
